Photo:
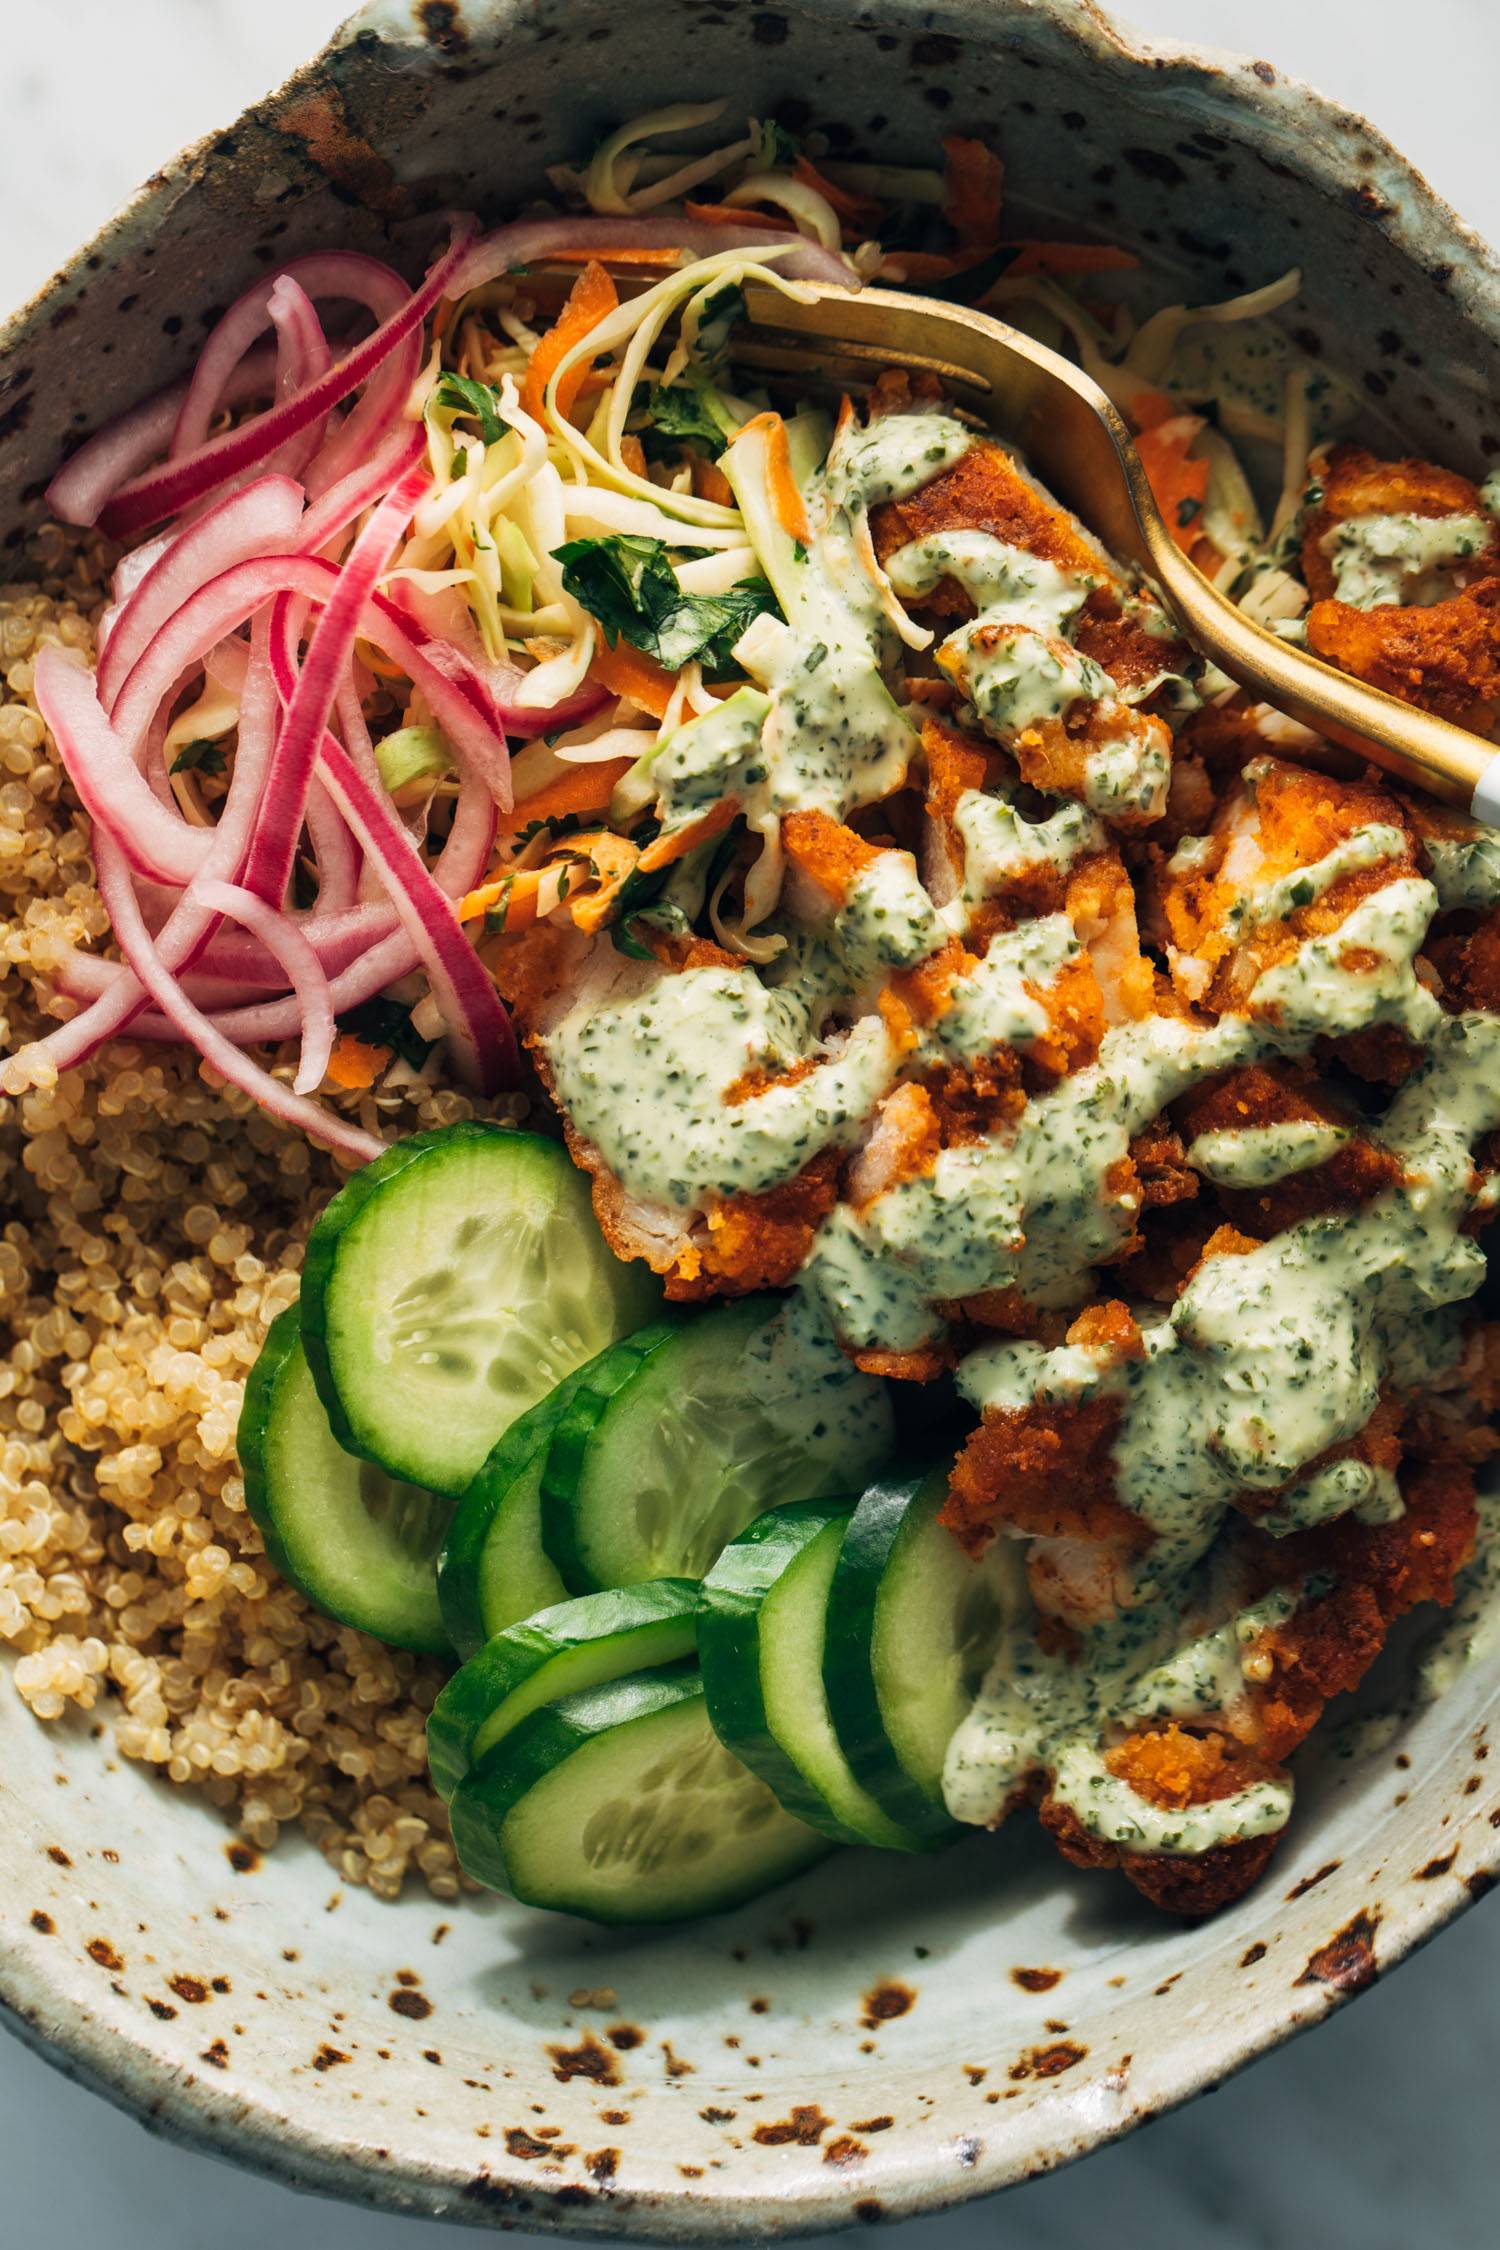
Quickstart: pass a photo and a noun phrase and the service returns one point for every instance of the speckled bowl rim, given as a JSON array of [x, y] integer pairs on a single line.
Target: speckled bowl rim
[[65, 2033]]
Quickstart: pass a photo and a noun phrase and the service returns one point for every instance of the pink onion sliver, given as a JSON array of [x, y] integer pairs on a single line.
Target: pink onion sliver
[[334, 510], [527, 240], [379, 411], [255, 520], [304, 972], [154, 840], [82, 976], [264, 1023], [148, 499], [477, 1023], [330, 273], [157, 980], [218, 608], [189, 925], [123, 447], [303, 355], [335, 850], [363, 965], [268, 864]]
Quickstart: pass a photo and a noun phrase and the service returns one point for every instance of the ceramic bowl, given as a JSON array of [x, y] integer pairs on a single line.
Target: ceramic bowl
[[881, 2038]]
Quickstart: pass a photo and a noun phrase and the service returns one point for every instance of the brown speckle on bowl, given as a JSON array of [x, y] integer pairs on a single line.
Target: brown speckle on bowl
[[1310, 1882], [1048, 2062], [884, 2002], [1347, 1962], [1436, 1867], [101, 1951], [1036, 1980], [415, 2006], [589, 2059], [804, 2128]]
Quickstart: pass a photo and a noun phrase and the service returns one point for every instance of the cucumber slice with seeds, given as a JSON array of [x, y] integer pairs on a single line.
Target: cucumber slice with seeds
[[357, 1542], [570, 1646], [913, 1623], [494, 1570], [760, 1646], [621, 1804], [448, 1286], [683, 1434]]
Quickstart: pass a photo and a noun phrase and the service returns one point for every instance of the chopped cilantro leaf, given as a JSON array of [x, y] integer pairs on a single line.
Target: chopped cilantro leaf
[[199, 757], [385, 1023], [628, 584], [681, 415], [462, 395]]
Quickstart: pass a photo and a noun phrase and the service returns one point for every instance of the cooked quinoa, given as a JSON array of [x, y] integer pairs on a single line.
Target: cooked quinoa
[[154, 1224]]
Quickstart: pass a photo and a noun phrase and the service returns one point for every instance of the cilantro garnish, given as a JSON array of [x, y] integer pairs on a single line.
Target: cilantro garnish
[[628, 584], [199, 757], [462, 395]]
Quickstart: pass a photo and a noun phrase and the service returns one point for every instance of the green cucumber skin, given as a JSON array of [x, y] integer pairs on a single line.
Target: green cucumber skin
[[664, 1609], [459, 1565], [870, 1546], [599, 1381], [543, 1742], [334, 1222], [539, 1744], [277, 1352], [729, 1653]]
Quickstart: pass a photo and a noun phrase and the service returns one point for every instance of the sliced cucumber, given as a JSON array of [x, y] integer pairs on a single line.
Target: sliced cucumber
[[571, 1646], [912, 1626], [494, 1569], [358, 1543], [448, 1286], [621, 1804], [680, 1436], [760, 1645]]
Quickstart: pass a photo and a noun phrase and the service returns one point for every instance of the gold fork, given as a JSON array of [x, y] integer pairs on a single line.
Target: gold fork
[[1073, 436]]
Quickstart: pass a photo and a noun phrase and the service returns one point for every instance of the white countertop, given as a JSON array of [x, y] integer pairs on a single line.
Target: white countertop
[[1378, 2133]]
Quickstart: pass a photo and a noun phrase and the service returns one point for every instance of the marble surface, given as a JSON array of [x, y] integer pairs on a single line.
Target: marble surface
[[1375, 2134]]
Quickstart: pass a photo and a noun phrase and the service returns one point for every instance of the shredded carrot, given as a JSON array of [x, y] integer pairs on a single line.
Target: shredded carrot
[[975, 177], [1147, 408], [1068, 257], [858, 211], [1179, 484], [583, 253], [353, 1065], [663, 850], [736, 215], [577, 789], [629, 671], [786, 500], [710, 482], [593, 297], [633, 454], [517, 894]]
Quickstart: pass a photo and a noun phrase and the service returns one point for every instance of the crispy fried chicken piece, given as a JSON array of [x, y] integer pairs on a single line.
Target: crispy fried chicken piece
[[1047, 1470], [1379, 1572], [1358, 483], [1444, 657], [1277, 1094], [1289, 818], [1194, 1885]]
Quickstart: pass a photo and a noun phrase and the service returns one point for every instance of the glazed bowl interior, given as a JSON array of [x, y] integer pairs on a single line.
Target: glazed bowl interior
[[883, 2036]]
